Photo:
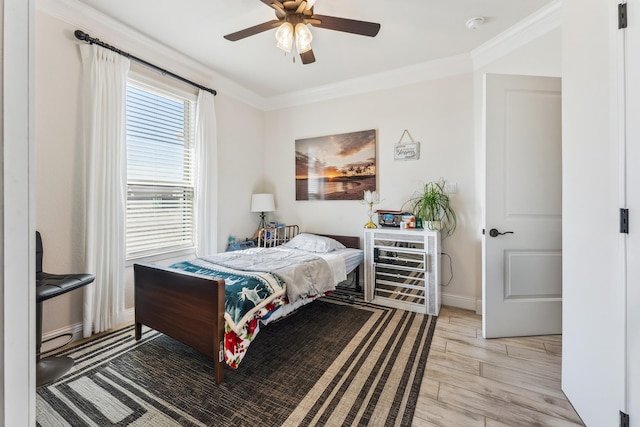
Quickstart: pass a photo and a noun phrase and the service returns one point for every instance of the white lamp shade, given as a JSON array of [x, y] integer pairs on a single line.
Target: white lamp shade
[[262, 203]]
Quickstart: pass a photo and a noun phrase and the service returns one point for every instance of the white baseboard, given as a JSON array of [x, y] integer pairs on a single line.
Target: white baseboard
[[458, 301], [76, 331]]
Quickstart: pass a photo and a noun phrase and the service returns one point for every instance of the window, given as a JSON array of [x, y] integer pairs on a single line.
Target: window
[[160, 173]]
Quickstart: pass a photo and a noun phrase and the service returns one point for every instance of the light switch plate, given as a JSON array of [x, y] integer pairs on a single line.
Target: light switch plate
[[451, 188]]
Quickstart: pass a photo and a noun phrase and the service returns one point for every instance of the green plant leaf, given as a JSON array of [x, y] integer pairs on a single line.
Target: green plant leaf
[[433, 204]]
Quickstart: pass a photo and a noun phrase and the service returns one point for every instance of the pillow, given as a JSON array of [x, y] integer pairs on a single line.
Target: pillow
[[313, 243]]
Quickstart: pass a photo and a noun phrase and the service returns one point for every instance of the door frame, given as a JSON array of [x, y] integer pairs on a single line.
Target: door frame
[[628, 64], [18, 232], [593, 341]]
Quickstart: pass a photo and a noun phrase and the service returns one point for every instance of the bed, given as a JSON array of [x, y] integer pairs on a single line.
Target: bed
[[187, 302]]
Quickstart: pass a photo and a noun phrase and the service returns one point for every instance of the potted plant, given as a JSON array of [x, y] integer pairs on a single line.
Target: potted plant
[[432, 205]]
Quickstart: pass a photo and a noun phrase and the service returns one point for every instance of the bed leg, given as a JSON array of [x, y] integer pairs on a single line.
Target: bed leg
[[138, 333], [357, 279], [218, 364], [218, 339]]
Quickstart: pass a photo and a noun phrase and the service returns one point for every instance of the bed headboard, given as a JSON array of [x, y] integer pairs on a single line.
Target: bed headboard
[[348, 241], [270, 237], [275, 236]]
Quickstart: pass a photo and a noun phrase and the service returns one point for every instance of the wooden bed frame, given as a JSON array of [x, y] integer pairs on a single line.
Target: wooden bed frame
[[190, 307]]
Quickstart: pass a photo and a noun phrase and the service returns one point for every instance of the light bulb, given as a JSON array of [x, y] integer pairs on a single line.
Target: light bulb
[[303, 38], [284, 36]]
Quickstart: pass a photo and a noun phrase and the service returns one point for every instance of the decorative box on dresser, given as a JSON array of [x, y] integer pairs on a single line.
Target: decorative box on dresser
[[402, 269]]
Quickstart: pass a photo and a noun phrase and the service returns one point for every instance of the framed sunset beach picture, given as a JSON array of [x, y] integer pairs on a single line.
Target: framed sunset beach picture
[[336, 167]]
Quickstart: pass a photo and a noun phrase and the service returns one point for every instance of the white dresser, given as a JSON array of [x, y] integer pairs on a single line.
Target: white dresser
[[402, 269]]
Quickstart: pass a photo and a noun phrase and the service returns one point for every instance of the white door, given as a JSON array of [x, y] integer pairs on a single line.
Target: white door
[[522, 245], [633, 203]]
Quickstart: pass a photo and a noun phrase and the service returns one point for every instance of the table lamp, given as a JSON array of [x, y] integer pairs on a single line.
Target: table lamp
[[262, 203]]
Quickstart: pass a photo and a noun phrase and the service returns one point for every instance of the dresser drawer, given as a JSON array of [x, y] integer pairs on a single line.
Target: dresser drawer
[[400, 285], [399, 277], [400, 258]]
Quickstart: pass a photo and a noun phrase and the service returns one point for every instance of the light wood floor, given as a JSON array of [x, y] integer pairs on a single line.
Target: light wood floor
[[470, 381]]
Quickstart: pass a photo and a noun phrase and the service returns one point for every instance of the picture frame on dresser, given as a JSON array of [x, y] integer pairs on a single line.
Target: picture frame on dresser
[[402, 269]]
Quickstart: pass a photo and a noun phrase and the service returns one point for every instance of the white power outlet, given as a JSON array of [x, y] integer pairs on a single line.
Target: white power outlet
[[450, 188]]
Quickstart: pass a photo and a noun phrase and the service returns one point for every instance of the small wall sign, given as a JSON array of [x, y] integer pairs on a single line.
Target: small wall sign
[[406, 150]]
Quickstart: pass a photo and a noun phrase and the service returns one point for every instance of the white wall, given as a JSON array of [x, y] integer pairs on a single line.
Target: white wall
[[59, 155], [59, 197], [437, 113], [593, 310], [241, 163]]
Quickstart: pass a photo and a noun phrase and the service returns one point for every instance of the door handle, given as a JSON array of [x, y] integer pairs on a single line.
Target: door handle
[[495, 233]]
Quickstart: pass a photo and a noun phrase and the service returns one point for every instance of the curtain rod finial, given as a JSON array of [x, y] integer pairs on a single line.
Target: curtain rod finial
[[81, 35]]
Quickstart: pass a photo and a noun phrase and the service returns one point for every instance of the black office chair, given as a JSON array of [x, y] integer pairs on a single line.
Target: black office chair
[[49, 286]]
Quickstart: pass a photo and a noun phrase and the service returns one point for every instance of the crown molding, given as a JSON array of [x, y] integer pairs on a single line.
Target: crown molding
[[431, 70], [114, 32], [124, 37], [536, 25]]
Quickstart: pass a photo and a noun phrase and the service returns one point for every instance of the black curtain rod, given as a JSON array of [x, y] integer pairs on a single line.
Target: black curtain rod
[[81, 35]]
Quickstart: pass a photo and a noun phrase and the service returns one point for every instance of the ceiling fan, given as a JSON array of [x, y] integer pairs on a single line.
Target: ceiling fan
[[293, 17]]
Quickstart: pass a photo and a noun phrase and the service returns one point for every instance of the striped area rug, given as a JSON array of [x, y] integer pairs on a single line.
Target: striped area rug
[[338, 361]]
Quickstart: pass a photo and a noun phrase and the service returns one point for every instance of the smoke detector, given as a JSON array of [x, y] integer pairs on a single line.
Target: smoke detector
[[474, 23]]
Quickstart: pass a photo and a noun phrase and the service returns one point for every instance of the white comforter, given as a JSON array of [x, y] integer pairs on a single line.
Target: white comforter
[[304, 274]]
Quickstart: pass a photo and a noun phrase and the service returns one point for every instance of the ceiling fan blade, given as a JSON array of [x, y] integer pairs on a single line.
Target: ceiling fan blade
[[308, 57], [362, 28], [238, 35]]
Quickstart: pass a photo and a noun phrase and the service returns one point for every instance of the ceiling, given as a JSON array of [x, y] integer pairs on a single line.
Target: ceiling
[[412, 32]]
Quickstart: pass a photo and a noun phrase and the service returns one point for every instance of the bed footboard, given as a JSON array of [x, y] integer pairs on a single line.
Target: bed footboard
[[184, 306]]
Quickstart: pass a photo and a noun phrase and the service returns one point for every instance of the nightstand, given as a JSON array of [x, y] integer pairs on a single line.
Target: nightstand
[[402, 269]]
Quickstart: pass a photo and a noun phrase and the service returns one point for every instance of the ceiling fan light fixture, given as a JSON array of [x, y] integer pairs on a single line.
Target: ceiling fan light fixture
[[291, 25], [303, 38], [284, 36]]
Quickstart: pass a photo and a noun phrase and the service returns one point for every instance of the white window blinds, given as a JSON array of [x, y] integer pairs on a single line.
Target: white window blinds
[[160, 175]]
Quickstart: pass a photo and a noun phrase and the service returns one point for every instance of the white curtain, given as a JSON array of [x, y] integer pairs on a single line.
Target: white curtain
[[104, 131], [207, 175]]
